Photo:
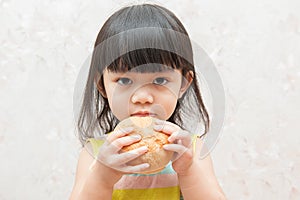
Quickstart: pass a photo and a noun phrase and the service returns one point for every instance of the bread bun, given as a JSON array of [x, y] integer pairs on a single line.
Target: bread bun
[[156, 156]]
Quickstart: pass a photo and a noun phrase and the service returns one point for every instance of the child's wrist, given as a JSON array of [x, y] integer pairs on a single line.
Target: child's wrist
[[191, 171], [104, 175], [189, 178]]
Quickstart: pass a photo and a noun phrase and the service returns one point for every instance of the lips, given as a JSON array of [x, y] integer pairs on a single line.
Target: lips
[[143, 114]]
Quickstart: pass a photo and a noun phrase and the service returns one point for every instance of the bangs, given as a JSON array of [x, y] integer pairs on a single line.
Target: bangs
[[135, 49], [146, 61]]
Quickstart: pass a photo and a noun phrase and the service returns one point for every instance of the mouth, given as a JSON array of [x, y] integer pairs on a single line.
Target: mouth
[[143, 114]]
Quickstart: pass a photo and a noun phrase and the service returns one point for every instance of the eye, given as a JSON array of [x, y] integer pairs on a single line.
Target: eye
[[160, 81], [124, 81]]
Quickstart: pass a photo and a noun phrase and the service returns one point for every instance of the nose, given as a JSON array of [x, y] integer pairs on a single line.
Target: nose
[[142, 95]]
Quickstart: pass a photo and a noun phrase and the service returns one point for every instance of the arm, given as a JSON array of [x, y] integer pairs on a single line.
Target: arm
[[199, 181], [93, 180], [95, 177], [196, 176]]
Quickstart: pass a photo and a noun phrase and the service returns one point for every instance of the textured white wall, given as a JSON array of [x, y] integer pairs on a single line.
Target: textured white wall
[[253, 43]]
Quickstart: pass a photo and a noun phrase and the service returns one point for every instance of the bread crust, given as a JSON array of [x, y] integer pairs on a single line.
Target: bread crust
[[156, 156]]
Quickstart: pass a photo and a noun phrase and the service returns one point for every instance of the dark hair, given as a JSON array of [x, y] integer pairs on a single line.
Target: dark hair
[[164, 42]]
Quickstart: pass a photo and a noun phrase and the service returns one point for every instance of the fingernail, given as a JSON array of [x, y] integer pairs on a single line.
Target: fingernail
[[166, 146], [127, 129], [158, 127], [170, 139], [146, 165], [136, 137], [158, 121], [143, 149]]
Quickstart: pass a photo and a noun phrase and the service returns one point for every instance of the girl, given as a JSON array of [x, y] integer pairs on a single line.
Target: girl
[[142, 65]]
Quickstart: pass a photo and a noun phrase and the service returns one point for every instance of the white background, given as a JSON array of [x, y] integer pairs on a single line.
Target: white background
[[253, 43]]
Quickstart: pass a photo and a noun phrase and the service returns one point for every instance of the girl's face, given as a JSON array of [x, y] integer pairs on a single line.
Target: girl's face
[[143, 94]]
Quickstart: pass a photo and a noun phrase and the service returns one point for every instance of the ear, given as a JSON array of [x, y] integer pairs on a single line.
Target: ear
[[100, 85], [186, 82]]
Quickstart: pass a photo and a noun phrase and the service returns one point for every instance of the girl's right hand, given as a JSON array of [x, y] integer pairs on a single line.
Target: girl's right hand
[[109, 153], [101, 172]]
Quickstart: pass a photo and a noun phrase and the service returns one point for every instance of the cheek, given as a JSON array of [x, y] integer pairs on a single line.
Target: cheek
[[171, 105], [118, 103], [167, 104], [172, 90]]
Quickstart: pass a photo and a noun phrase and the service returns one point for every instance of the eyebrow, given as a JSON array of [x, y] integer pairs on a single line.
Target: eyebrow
[[134, 72], [113, 74], [145, 68]]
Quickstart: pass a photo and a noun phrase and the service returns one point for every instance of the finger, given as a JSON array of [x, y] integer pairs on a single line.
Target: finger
[[117, 144], [119, 133], [159, 121], [166, 128], [178, 148], [130, 155], [162, 122], [116, 161], [135, 168], [184, 136]]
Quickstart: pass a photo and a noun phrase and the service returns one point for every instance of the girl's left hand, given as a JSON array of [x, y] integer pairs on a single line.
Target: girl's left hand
[[181, 144]]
